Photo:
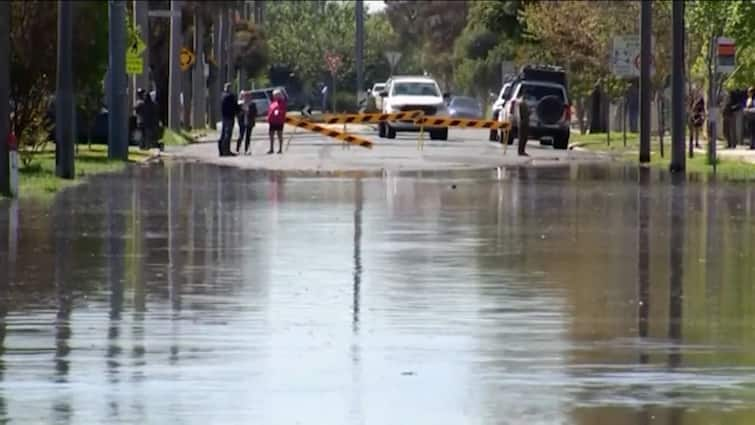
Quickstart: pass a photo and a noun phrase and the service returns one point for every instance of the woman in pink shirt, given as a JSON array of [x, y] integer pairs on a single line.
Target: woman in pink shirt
[[276, 118]]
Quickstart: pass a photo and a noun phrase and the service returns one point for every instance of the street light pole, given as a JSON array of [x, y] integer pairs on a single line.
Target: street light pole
[[646, 29], [174, 73], [64, 103], [678, 160], [118, 116], [4, 96], [360, 48]]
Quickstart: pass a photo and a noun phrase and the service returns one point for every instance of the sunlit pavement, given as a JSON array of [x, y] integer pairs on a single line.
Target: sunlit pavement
[[305, 151]]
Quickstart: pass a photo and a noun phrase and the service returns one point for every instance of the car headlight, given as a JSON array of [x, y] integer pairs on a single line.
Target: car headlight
[[452, 111]]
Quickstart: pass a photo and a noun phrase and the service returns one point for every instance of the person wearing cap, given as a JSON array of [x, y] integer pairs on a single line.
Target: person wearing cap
[[228, 110], [276, 118]]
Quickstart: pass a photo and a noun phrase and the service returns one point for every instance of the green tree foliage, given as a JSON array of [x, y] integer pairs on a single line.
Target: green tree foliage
[[250, 50], [735, 19], [301, 34], [34, 59], [429, 28]]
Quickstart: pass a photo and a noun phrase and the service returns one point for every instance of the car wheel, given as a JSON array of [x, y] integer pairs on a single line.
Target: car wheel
[[381, 129], [439, 134], [493, 137], [390, 132], [561, 141]]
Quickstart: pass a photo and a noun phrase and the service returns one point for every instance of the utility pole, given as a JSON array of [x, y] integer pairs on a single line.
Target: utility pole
[[199, 81], [646, 30], [64, 103], [174, 73], [117, 114], [141, 20], [4, 96], [217, 83], [678, 160], [360, 48]]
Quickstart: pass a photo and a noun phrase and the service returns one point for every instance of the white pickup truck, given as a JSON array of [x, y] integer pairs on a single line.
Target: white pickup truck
[[408, 93]]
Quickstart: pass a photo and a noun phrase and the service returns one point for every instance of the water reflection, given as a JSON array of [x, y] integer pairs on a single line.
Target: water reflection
[[195, 294]]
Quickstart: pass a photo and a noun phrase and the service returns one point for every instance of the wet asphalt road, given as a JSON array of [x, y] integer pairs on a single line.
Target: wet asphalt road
[[197, 294]]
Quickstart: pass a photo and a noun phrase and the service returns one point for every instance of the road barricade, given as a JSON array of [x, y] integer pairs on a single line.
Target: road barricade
[[464, 123], [316, 128], [371, 118]]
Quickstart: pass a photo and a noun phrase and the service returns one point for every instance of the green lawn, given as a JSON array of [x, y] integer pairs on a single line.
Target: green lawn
[[39, 180], [183, 137], [728, 169]]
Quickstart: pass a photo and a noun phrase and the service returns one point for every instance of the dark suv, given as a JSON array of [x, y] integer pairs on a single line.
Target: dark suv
[[544, 89]]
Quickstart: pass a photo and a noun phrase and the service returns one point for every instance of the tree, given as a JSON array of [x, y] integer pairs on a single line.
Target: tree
[[33, 50], [430, 27]]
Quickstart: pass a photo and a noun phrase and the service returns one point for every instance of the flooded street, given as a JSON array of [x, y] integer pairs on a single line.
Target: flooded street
[[197, 294]]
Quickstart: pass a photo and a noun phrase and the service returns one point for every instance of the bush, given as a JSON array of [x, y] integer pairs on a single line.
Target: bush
[[33, 139], [346, 102]]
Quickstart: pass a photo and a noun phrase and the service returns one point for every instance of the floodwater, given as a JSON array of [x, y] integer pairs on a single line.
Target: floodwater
[[195, 294]]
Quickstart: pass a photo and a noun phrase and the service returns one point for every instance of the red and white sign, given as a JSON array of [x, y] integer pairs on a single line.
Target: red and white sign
[[726, 51], [333, 62]]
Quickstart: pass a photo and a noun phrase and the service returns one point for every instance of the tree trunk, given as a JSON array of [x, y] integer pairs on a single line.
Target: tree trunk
[[199, 82], [186, 90]]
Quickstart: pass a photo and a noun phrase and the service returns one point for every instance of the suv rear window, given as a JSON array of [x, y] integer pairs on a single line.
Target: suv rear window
[[535, 92]]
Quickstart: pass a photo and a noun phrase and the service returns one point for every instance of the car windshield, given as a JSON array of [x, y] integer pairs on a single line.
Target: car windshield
[[415, 89], [464, 102], [533, 92], [259, 95], [378, 87]]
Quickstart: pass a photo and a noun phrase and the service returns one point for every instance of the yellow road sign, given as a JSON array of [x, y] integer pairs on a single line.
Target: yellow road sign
[[134, 64], [354, 140], [464, 123], [136, 46], [186, 58], [371, 118]]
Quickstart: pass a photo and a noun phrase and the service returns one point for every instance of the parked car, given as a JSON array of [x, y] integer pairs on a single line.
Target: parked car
[[261, 101], [376, 89], [465, 107], [498, 104], [407, 93], [544, 90]]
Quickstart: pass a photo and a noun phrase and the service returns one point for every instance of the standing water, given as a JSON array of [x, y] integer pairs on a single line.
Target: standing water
[[195, 294]]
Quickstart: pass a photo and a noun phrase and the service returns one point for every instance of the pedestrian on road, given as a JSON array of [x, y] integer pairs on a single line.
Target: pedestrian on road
[[696, 114], [276, 117], [228, 109], [141, 112], [524, 122], [750, 114], [247, 117], [732, 112], [324, 98]]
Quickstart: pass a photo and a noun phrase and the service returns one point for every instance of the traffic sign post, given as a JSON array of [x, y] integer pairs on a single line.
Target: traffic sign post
[[392, 57], [625, 56], [726, 55], [333, 62]]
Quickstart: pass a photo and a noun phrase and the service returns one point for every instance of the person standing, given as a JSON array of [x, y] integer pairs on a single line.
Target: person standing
[[696, 114], [749, 113], [276, 118], [140, 110], [247, 118], [524, 123], [228, 110]]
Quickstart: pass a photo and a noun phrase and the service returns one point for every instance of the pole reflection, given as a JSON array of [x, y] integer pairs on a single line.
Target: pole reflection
[[643, 257], [676, 266], [114, 242], [356, 410], [61, 220]]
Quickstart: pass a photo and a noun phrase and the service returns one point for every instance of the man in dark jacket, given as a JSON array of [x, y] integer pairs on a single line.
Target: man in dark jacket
[[228, 108], [142, 117]]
